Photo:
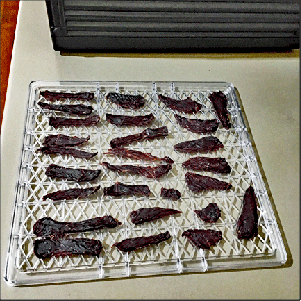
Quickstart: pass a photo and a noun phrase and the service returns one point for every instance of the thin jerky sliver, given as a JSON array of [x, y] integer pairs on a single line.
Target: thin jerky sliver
[[64, 140], [120, 189], [51, 96], [61, 121], [66, 151], [78, 109], [124, 120]]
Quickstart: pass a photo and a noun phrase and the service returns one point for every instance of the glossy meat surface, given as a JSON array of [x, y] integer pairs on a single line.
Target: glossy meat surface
[[209, 214], [66, 151], [124, 120], [63, 95], [64, 140], [126, 101], [203, 238], [171, 193], [120, 189], [78, 109], [61, 121]]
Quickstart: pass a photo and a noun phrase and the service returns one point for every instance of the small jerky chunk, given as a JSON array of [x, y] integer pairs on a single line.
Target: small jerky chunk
[[143, 215], [120, 189], [132, 244], [209, 214], [46, 248], [61, 121], [47, 226], [124, 120], [198, 183], [146, 171], [219, 102], [73, 193], [216, 165], [59, 95], [204, 145], [198, 126], [203, 238], [247, 224], [78, 109], [64, 140], [170, 193], [66, 151], [147, 134], [137, 155], [126, 101], [71, 174], [185, 105]]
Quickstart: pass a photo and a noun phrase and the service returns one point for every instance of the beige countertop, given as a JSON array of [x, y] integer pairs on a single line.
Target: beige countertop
[[268, 84]]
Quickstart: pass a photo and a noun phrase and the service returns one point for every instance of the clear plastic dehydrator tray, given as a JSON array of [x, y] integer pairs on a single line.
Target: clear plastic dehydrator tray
[[177, 255]]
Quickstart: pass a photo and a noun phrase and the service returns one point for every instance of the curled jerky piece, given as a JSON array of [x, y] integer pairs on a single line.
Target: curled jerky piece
[[247, 224], [124, 120], [209, 214], [120, 189], [204, 145], [71, 174], [170, 193], [78, 109], [198, 126], [61, 121], [132, 244], [73, 193], [203, 238], [127, 101], [46, 248], [62, 95], [66, 151], [216, 165], [198, 183], [143, 215], [64, 140], [185, 105], [47, 226]]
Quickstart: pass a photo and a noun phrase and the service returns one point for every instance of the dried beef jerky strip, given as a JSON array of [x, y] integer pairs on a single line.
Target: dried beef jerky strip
[[61, 121], [126, 101], [203, 238], [216, 165], [137, 155], [247, 224], [198, 183], [78, 109], [59, 95], [71, 174], [198, 126], [219, 102], [73, 193], [124, 120], [64, 140], [120, 189], [143, 215], [66, 151], [209, 214], [46, 248], [132, 244], [47, 226], [204, 145], [185, 105], [147, 134], [146, 171], [170, 193]]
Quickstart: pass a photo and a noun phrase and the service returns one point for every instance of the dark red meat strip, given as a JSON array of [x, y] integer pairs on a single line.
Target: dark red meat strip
[[204, 145], [71, 174], [124, 120], [185, 105], [209, 214], [66, 151], [61, 121], [46, 248], [69, 194], [198, 126], [132, 244], [59, 95], [203, 238], [120, 189], [216, 165], [47, 226], [63, 140], [170, 193], [219, 102], [78, 109], [247, 224], [198, 183], [127, 101], [146, 134], [143, 215]]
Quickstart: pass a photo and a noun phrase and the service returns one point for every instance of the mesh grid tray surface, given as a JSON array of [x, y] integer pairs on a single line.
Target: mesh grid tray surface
[[176, 255]]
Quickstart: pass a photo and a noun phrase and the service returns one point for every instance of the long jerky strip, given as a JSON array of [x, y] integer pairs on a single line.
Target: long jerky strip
[[203, 238], [69, 194], [78, 109], [198, 126], [46, 248], [132, 244], [71, 174], [120, 189], [47, 226], [124, 120], [204, 145], [143, 215], [198, 183], [127, 101], [146, 134], [66, 151], [63, 95], [61, 121], [64, 140], [185, 105]]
